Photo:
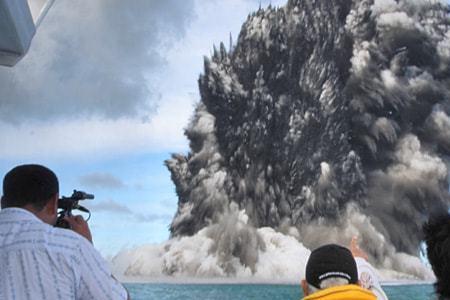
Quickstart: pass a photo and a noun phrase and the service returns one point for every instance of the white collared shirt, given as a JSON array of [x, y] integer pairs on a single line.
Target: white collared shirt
[[38, 261], [369, 279]]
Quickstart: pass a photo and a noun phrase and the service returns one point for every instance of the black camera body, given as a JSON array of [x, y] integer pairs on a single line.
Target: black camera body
[[67, 204]]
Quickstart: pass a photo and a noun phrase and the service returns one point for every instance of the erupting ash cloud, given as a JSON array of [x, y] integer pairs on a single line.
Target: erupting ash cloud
[[325, 120]]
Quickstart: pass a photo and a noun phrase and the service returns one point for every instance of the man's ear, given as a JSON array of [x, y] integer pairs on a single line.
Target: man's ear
[[304, 285], [52, 205]]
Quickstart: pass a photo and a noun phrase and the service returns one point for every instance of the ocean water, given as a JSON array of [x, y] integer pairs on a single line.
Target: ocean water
[[145, 291]]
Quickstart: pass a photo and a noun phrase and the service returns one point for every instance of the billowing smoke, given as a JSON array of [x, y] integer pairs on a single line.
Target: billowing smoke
[[229, 247], [326, 119]]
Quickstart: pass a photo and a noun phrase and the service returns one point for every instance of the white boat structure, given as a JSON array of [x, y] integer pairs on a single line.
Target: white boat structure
[[19, 20]]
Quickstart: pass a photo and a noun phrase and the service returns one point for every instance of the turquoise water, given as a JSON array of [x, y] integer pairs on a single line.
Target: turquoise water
[[139, 291]]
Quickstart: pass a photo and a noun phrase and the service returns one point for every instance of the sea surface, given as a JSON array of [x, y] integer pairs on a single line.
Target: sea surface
[[144, 291]]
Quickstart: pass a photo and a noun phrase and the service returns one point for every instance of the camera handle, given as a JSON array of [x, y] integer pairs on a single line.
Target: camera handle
[[60, 222]]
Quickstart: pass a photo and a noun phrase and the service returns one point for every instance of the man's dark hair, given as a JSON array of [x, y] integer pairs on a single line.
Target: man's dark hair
[[437, 239], [29, 184]]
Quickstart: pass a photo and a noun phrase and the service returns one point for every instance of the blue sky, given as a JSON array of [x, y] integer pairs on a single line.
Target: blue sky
[[102, 98]]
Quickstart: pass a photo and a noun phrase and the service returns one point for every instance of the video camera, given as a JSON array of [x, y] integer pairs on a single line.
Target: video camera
[[67, 204]]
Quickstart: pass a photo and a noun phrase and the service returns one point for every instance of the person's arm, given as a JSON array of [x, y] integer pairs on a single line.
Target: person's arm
[[367, 276], [96, 280], [369, 279]]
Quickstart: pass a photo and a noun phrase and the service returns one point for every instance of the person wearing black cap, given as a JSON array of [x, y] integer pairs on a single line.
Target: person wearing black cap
[[331, 274]]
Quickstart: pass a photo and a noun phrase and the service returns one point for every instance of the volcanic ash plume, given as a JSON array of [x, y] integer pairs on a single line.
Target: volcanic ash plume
[[326, 119]]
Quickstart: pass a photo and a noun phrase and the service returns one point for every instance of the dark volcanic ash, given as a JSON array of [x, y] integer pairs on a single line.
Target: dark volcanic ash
[[330, 117]]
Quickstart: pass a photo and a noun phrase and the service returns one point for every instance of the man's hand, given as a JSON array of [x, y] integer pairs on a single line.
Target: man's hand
[[80, 226], [356, 251]]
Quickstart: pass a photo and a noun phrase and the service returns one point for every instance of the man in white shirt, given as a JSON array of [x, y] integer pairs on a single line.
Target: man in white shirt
[[39, 261]]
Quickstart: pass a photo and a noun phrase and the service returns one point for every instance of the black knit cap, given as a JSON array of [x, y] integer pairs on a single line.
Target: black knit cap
[[331, 261]]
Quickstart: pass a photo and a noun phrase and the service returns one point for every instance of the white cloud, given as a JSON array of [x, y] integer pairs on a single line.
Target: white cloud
[[102, 180], [95, 138], [93, 58]]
